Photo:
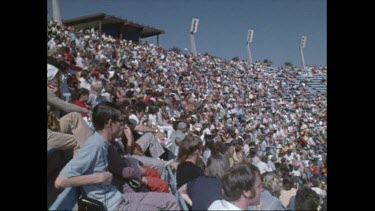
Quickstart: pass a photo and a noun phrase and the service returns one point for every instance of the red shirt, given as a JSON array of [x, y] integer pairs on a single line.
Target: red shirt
[[81, 104], [314, 169], [76, 68]]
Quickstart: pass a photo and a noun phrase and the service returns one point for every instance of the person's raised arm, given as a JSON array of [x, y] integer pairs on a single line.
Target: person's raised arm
[[53, 100], [146, 129]]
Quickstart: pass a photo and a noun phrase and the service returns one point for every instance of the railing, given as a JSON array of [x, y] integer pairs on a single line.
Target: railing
[[170, 177], [66, 199]]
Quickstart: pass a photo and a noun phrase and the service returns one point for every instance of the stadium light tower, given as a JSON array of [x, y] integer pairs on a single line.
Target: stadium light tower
[[56, 12], [193, 30], [302, 46], [249, 40]]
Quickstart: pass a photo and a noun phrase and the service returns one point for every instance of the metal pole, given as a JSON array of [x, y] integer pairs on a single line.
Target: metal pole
[[303, 59], [157, 40], [100, 30], [192, 43], [249, 52], [56, 12]]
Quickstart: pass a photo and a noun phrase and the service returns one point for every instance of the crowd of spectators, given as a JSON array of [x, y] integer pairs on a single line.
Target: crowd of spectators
[[181, 109]]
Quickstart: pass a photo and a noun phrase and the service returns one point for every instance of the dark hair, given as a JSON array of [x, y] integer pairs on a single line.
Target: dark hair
[[287, 183], [139, 106], [79, 92], [306, 199], [103, 112], [240, 177], [188, 147]]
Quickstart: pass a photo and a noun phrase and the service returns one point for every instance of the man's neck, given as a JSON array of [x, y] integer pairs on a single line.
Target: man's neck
[[240, 204], [105, 134]]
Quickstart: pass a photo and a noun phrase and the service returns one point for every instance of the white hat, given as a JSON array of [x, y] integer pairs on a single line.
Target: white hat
[[279, 146], [51, 72]]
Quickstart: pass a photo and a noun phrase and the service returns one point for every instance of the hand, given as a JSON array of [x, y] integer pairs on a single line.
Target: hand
[[128, 133], [104, 178], [154, 126], [144, 180], [53, 86], [143, 119], [89, 113], [174, 165], [142, 170]]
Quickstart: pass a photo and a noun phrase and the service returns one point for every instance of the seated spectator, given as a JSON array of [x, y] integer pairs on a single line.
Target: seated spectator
[[307, 199], [188, 154], [288, 190], [242, 186], [88, 169], [203, 190], [80, 98], [237, 154], [269, 198], [177, 137], [57, 128], [125, 168]]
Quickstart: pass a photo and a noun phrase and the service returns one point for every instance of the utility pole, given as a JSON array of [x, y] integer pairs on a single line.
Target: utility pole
[[302, 46], [56, 12], [193, 30], [249, 40]]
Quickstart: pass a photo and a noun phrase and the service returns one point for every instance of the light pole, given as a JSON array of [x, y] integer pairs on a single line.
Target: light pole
[[193, 30], [56, 12], [302, 46], [248, 41]]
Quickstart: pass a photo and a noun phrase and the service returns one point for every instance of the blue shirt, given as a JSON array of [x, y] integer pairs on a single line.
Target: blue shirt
[[92, 158], [267, 202], [203, 191]]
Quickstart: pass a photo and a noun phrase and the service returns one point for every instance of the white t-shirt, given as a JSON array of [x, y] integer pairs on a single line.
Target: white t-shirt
[[296, 173], [84, 84], [134, 119], [222, 205]]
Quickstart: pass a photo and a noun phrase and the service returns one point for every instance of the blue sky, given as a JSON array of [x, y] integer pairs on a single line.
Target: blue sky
[[223, 24]]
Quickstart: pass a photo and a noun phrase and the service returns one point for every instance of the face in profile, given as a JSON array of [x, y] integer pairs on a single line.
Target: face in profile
[[258, 189], [118, 128]]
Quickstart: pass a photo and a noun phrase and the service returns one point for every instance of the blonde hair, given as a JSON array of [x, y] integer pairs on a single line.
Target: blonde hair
[[97, 86]]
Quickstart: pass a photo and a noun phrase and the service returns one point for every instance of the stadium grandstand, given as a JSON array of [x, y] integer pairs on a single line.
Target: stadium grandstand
[[273, 117], [114, 26]]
